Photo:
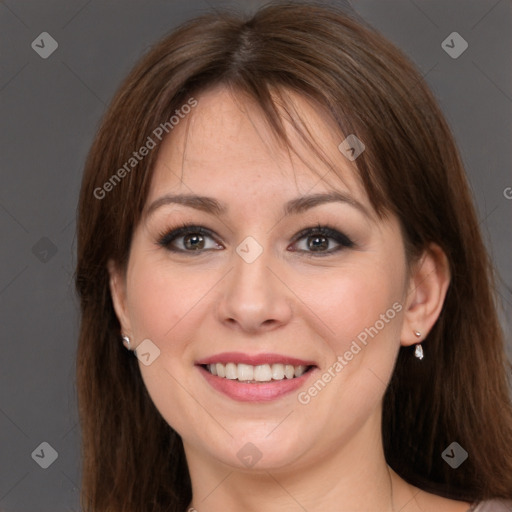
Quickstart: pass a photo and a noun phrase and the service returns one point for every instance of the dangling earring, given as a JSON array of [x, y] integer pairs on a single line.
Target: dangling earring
[[127, 341], [418, 351]]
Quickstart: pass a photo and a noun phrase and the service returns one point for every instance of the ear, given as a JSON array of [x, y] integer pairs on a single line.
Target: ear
[[428, 284], [117, 284]]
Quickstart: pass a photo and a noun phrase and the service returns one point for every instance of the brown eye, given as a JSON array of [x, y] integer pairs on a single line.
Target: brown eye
[[193, 241], [188, 239], [320, 240]]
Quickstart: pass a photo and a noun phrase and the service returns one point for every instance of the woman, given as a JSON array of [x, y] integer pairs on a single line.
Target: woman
[[286, 302]]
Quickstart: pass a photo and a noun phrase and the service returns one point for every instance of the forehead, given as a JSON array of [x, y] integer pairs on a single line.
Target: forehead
[[226, 140]]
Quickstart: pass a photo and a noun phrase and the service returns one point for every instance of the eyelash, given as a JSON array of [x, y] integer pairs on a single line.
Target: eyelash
[[166, 238]]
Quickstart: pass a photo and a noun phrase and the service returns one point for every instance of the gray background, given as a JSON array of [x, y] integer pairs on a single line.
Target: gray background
[[50, 109]]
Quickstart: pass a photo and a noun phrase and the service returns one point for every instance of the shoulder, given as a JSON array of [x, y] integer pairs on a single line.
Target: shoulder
[[423, 501], [495, 505], [438, 504], [413, 499]]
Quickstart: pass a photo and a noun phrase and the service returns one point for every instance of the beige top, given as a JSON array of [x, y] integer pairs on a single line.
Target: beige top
[[492, 506]]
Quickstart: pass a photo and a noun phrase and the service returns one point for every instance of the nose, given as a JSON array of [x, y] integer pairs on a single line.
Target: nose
[[254, 297]]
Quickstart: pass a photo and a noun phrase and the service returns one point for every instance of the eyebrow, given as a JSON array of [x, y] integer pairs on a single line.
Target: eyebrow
[[294, 206]]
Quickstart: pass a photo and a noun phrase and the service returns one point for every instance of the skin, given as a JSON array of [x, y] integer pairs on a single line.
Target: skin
[[328, 454]]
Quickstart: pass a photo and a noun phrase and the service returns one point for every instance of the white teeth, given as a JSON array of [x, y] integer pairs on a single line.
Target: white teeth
[[231, 371], [221, 370], [245, 372], [262, 373], [259, 373], [299, 370], [278, 371]]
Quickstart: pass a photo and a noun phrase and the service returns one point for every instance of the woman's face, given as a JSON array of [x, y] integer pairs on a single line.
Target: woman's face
[[255, 287]]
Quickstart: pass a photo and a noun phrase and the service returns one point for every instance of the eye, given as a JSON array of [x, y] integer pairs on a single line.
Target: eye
[[318, 241], [188, 238]]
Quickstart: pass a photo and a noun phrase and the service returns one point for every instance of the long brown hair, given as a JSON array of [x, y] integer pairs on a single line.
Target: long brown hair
[[132, 459]]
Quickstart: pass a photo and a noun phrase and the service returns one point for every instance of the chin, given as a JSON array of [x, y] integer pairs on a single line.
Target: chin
[[260, 451]]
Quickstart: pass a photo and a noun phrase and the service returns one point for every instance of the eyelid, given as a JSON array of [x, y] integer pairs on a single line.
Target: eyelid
[[326, 230], [343, 241], [168, 236]]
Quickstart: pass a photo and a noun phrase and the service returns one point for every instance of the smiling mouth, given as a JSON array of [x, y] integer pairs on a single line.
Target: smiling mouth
[[250, 374]]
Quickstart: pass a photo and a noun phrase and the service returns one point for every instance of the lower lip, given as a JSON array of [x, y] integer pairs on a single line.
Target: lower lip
[[264, 392]]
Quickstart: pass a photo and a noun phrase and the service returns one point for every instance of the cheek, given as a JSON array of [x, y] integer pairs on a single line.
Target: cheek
[[162, 303], [158, 299], [358, 303], [151, 304], [361, 310]]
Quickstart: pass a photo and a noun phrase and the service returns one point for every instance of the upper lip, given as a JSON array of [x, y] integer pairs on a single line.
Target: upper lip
[[254, 359]]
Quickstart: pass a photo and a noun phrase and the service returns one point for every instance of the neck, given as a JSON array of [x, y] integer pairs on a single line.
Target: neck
[[351, 478]]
